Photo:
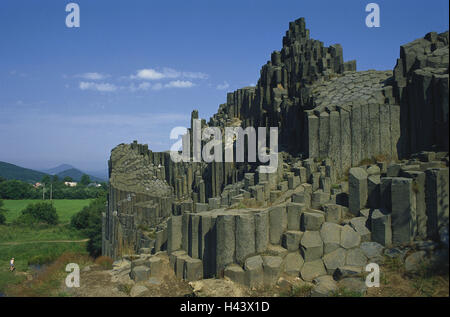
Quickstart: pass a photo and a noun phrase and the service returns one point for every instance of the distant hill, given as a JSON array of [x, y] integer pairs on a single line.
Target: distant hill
[[102, 174], [58, 169], [11, 171], [76, 175]]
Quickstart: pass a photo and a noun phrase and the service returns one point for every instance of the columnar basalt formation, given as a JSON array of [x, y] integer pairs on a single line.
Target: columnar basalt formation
[[363, 166]]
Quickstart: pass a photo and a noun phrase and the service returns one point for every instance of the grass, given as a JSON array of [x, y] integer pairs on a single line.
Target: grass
[[65, 208], [26, 254], [303, 290], [49, 281], [343, 292], [125, 288], [395, 282], [33, 251], [12, 233]]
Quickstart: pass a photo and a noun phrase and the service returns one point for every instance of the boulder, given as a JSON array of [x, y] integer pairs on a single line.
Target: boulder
[[372, 249], [354, 285], [140, 273], [272, 266], [311, 246], [359, 224], [312, 221], [324, 286], [349, 237], [357, 182], [291, 240], [333, 213], [293, 263], [334, 260], [331, 236], [313, 269], [254, 274], [347, 271], [415, 262], [355, 257], [235, 273]]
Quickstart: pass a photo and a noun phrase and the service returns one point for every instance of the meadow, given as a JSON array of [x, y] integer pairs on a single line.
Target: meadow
[[38, 244], [65, 208]]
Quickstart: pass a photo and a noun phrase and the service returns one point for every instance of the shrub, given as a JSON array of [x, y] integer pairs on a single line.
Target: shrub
[[42, 212], [105, 262], [89, 220], [2, 213]]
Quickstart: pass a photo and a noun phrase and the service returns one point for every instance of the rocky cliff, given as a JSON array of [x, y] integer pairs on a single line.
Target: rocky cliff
[[363, 165]]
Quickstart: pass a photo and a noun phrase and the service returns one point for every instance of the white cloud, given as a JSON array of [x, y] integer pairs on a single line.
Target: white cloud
[[166, 73], [102, 87], [149, 74], [92, 76], [179, 84], [223, 86]]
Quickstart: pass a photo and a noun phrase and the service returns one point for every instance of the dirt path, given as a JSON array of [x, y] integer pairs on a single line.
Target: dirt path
[[44, 241]]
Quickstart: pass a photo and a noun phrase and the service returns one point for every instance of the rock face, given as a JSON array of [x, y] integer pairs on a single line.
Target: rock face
[[382, 129], [421, 88]]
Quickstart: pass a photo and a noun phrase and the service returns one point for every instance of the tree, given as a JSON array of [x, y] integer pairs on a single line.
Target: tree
[[89, 220], [13, 189], [46, 180], [67, 179], [42, 212], [2, 179], [2, 213], [85, 180], [55, 179]]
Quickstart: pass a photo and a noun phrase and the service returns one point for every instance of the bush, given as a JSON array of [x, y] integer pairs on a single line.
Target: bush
[[38, 213], [13, 189], [89, 220], [2, 213], [105, 262]]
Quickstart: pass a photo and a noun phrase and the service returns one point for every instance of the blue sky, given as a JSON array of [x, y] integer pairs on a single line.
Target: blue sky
[[135, 69]]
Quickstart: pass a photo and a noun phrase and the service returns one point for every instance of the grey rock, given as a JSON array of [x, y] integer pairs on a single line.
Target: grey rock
[[291, 240], [349, 237], [235, 273], [334, 260], [371, 249], [415, 262], [347, 271], [311, 270], [140, 273], [357, 182], [312, 221], [381, 227], [324, 286], [311, 246], [355, 257], [331, 236], [254, 274], [272, 266], [355, 285], [359, 224], [293, 263]]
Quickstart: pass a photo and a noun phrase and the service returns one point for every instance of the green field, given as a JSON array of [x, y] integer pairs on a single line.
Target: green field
[[24, 253], [65, 208], [31, 244]]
